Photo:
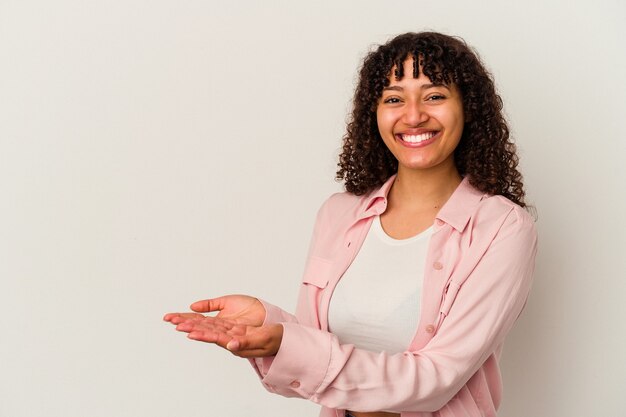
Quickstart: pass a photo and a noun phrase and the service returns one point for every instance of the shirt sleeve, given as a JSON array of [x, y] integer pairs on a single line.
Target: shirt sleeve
[[312, 364], [273, 315]]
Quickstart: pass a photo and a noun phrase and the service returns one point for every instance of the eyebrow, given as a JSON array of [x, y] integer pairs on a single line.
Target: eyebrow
[[423, 87]]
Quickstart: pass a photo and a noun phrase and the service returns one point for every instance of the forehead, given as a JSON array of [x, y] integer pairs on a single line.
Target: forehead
[[408, 76], [408, 66], [408, 71]]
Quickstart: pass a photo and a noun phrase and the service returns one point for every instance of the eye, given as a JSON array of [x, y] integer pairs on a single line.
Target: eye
[[435, 97], [391, 100]]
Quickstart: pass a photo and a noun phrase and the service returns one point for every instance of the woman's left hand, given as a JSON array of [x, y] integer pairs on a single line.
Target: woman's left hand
[[246, 341]]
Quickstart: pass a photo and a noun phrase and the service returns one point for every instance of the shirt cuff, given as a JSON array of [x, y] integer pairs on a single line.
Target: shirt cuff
[[301, 364], [275, 315]]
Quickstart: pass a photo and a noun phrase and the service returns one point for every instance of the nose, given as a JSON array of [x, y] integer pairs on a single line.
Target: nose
[[414, 114]]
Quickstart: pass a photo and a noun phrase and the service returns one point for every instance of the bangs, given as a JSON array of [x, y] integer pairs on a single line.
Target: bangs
[[427, 61]]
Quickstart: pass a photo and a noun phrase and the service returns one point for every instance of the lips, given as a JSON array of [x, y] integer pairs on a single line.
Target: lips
[[417, 138]]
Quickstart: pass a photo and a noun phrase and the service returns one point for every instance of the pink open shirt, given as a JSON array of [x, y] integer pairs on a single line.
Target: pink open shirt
[[478, 274]]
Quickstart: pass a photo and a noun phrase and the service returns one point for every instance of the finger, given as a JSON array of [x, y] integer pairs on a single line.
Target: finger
[[176, 318], [191, 325], [208, 336], [170, 316], [261, 343], [199, 319], [243, 343], [237, 330], [235, 347], [206, 306]]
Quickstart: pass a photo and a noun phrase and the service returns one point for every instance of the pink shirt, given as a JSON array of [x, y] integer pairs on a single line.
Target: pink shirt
[[478, 275]]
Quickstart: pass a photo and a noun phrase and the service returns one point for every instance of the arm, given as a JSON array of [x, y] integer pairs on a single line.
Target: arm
[[312, 364]]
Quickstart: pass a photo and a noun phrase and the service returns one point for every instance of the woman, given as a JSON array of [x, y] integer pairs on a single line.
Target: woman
[[418, 271]]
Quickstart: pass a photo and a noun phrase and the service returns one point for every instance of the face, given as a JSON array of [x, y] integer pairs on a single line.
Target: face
[[421, 123]]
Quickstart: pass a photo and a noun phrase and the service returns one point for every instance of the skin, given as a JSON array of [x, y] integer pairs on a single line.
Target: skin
[[427, 176], [416, 105], [238, 326]]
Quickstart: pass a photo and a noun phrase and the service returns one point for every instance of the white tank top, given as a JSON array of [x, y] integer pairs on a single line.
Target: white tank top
[[376, 304]]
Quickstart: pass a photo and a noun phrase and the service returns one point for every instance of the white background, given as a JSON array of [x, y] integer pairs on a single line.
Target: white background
[[156, 152]]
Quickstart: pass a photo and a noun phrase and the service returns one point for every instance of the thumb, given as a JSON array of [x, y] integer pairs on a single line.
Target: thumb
[[252, 341], [261, 342], [206, 306], [234, 345]]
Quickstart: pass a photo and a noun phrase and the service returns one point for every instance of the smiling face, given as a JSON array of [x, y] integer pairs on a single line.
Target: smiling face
[[421, 123]]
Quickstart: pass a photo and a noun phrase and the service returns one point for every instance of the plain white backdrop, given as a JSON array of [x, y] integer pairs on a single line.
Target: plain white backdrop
[[153, 153]]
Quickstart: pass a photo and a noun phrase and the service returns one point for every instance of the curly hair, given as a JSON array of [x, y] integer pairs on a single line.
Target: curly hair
[[485, 152]]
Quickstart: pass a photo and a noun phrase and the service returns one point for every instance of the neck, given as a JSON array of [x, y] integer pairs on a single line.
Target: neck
[[424, 189]]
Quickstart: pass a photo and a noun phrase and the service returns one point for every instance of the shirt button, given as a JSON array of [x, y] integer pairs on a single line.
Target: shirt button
[[439, 222], [430, 328], [295, 384], [438, 265]]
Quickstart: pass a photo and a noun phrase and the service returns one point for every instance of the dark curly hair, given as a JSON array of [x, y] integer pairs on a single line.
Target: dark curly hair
[[485, 152]]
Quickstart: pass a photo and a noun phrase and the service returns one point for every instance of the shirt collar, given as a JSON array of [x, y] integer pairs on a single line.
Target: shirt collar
[[456, 211], [376, 201], [460, 206]]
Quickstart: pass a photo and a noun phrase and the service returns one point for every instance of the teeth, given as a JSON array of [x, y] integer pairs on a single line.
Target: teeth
[[418, 138]]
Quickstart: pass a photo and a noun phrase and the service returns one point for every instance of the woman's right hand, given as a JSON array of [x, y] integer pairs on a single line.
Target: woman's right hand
[[239, 309]]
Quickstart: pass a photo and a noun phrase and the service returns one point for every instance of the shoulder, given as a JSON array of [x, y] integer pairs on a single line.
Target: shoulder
[[494, 205], [502, 217], [341, 207], [498, 233], [352, 205], [334, 218], [474, 212], [343, 201]]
